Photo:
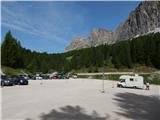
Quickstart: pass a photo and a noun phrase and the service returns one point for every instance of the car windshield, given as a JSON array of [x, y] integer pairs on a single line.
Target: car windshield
[[5, 77], [22, 78], [122, 80]]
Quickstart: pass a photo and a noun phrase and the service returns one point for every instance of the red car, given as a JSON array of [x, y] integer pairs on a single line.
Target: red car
[[54, 77]]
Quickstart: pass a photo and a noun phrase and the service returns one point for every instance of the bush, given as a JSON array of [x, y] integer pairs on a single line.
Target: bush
[[154, 78]]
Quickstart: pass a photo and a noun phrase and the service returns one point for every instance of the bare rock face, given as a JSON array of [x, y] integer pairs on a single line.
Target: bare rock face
[[95, 38], [143, 20], [99, 37], [77, 43]]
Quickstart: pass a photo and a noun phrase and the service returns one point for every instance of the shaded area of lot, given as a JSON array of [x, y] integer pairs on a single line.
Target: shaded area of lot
[[138, 107], [71, 113]]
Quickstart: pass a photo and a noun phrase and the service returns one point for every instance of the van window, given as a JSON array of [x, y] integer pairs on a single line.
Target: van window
[[131, 79], [122, 80]]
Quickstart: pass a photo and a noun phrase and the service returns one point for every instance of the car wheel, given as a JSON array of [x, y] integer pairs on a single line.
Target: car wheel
[[2, 84]]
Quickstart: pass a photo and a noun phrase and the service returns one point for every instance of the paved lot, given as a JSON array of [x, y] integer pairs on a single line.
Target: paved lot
[[79, 99]]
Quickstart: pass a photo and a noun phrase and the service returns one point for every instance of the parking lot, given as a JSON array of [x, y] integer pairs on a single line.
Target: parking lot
[[79, 99]]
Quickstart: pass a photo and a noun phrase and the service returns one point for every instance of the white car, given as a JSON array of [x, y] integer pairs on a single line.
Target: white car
[[74, 76], [38, 78]]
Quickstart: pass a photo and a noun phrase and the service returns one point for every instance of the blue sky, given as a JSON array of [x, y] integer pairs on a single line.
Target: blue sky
[[50, 26]]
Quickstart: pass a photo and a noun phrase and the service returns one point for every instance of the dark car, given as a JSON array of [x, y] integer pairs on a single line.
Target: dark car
[[24, 76], [6, 81], [20, 80], [62, 76], [31, 77]]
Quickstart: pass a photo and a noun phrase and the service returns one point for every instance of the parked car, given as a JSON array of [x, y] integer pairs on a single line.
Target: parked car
[[20, 80], [31, 77], [38, 78], [25, 76], [62, 76], [54, 77], [74, 76], [45, 76], [6, 81]]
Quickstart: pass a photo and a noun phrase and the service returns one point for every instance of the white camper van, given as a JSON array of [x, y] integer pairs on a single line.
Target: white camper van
[[131, 81]]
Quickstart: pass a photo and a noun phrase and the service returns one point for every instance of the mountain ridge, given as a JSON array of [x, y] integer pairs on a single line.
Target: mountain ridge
[[143, 20]]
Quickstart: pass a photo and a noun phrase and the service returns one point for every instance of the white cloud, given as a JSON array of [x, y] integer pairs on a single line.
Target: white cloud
[[51, 23]]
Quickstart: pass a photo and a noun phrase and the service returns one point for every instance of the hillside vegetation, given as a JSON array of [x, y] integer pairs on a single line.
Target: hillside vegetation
[[140, 51], [11, 71]]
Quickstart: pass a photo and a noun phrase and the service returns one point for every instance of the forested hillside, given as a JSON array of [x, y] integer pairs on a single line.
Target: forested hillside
[[144, 50]]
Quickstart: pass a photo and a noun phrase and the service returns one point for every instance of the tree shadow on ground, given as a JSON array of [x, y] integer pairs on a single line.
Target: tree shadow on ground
[[138, 107], [71, 113]]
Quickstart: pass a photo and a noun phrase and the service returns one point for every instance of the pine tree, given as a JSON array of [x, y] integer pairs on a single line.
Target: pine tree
[[11, 52]]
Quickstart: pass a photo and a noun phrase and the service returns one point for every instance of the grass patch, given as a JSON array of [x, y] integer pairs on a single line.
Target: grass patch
[[11, 71], [105, 77], [137, 69], [152, 78]]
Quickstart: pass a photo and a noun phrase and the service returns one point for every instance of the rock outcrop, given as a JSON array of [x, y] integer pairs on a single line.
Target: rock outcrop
[[99, 37], [77, 43], [144, 19]]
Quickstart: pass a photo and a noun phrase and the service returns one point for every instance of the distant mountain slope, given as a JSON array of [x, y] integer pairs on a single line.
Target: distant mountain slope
[[96, 37], [144, 19], [100, 36], [77, 43]]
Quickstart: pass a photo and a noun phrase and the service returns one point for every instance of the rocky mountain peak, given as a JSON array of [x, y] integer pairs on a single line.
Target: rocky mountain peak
[[143, 20], [99, 36], [77, 43]]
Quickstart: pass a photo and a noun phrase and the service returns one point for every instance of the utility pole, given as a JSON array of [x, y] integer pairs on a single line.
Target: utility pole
[[103, 91]]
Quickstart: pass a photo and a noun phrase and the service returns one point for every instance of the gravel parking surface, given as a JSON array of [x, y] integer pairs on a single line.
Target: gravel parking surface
[[79, 99]]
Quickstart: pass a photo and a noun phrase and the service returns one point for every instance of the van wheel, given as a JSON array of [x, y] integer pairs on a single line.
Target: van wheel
[[135, 87]]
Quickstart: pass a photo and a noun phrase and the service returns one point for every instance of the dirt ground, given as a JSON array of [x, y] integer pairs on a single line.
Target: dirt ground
[[79, 99]]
